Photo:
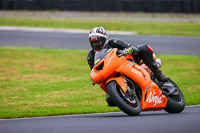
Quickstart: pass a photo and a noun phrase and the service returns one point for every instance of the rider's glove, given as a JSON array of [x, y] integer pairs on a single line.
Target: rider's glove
[[130, 50]]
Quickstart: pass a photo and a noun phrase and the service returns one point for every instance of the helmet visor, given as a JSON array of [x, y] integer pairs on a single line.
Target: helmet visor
[[96, 45]]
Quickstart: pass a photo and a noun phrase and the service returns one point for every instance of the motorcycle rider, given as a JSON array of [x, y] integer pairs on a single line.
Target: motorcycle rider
[[98, 39]]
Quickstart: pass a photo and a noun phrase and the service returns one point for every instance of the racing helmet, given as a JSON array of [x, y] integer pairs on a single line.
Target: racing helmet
[[98, 38]]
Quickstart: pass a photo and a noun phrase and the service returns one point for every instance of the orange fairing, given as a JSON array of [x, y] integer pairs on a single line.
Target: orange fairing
[[109, 64], [120, 81], [136, 72], [152, 98], [111, 67]]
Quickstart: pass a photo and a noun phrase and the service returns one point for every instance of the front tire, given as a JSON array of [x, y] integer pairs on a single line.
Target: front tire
[[128, 103], [109, 101]]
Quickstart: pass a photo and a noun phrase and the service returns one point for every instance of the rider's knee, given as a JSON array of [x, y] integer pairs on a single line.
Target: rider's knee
[[145, 49]]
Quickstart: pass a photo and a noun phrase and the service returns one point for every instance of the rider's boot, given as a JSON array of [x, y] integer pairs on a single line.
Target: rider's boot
[[157, 72]]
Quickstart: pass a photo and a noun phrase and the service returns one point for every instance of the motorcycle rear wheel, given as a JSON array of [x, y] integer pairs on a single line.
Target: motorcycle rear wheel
[[129, 105], [176, 101]]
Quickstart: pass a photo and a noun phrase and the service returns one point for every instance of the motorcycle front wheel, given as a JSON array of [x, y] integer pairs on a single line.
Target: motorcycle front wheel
[[127, 102]]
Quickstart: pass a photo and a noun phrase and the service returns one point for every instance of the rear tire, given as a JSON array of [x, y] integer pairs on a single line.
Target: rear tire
[[176, 101], [127, 106]]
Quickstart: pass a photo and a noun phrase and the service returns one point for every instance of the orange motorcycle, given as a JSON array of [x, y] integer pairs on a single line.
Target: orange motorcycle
[[132, 87]]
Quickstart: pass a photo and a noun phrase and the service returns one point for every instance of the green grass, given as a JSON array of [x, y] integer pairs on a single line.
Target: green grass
[[143, 28], [44, 82]]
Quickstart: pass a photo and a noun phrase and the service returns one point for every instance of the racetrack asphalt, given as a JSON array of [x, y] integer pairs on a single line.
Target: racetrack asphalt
[[147, 122], [60, 40]]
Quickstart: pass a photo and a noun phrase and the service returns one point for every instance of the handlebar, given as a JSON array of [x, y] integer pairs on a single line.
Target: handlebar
[[120, 53]]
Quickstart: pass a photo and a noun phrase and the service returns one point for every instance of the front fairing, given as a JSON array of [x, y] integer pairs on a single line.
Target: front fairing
[[106, 64], [99, 55]]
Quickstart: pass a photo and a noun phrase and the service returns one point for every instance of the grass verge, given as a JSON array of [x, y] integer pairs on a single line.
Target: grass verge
[[142, 28], [44, 82]]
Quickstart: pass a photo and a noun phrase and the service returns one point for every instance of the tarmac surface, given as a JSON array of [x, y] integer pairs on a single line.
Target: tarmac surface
[[118, 122], [74, 40]]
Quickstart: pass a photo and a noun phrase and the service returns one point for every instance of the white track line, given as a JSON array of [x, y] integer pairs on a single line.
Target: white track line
[[192, 106], [76, 31]]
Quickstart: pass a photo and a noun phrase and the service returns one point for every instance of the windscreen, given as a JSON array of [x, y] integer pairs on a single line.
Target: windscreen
[[99, 55]]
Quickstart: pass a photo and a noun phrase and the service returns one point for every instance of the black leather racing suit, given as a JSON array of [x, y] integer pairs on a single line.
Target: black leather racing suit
[[141, 52]]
